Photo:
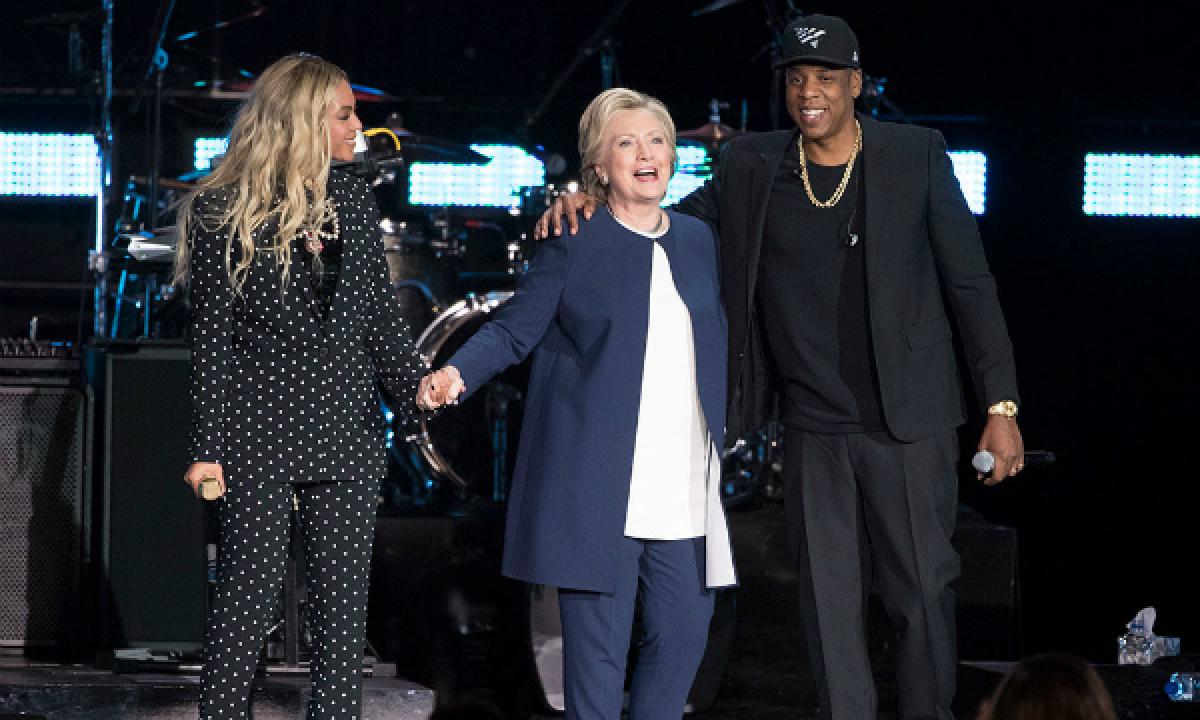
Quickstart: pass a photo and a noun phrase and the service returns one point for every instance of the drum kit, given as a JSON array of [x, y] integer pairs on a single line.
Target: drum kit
[[450, 267]]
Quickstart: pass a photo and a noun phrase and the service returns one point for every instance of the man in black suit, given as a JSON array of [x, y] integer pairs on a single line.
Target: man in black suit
[[839, 239]]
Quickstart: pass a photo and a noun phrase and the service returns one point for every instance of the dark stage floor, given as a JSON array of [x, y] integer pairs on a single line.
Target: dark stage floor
[[766, 675]]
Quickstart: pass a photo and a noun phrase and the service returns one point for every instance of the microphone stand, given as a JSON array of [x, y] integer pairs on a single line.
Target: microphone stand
[[601, 42]]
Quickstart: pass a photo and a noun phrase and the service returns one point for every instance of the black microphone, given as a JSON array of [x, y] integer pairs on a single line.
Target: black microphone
[[985, 462]]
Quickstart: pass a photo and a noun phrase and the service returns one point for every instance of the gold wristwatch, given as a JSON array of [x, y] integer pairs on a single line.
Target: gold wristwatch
[[1007, 408]]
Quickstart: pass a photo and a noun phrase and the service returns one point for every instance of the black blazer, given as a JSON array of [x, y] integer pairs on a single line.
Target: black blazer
[[921, 243], [278, 393]]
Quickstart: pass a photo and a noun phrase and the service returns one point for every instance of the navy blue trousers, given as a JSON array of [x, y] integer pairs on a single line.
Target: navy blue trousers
[[676, 610]]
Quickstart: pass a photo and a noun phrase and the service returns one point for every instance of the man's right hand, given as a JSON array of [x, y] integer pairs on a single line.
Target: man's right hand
[[569, 205]]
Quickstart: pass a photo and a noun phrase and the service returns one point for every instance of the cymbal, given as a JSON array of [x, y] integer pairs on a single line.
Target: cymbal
[[422, 148], [240, 90], [712, 133], [366, 93], [714, 6]]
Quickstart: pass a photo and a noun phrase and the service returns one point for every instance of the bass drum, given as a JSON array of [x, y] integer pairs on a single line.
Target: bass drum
[[473, 446]]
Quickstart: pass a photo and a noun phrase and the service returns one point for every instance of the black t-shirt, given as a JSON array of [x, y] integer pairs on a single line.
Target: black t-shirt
[[812, 294]]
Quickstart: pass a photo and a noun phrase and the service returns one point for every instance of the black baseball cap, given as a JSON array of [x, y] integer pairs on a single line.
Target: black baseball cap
[[819, 40]]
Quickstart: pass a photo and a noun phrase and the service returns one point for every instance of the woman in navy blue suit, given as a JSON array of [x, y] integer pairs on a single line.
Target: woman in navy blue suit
[[615, 491]]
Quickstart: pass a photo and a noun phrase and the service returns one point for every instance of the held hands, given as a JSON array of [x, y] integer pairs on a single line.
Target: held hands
[[570, 204], [1002, 438], [440, 388], [206, 479]]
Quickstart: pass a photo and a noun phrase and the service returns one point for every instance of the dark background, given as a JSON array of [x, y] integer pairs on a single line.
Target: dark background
[[1101, 310]]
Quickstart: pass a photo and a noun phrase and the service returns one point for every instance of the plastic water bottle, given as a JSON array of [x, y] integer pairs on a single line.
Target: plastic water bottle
[[1182, 687], [1135, 647]]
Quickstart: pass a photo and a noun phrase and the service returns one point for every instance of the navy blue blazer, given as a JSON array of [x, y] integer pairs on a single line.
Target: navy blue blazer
[[582, 311]]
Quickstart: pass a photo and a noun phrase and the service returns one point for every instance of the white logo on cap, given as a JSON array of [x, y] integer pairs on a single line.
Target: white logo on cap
[[809, 35]]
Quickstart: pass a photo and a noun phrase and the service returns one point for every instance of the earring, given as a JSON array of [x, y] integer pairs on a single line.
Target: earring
[[604, 180]]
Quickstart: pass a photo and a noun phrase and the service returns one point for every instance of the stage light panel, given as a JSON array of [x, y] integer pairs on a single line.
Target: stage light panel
[[1129, 185], [495, 184], [49, 164], [970, 167], [205, 149], [692, 167]]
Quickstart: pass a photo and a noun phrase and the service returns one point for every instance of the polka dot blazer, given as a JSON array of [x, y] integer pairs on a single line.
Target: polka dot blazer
[[280, 394]]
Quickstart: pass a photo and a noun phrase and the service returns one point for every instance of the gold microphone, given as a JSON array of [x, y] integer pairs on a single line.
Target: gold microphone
[[210, 488]]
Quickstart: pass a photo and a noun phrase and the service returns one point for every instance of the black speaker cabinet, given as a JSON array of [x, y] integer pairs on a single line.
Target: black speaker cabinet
[[153, 575], [43, 496], [987, 592]]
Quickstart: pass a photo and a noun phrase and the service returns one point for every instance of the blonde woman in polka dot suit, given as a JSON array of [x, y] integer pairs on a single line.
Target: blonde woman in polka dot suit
[[294, 328]]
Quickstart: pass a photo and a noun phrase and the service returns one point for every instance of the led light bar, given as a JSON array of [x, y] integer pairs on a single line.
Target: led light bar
[[49, 164], [205, 149], [970, 167], [693, 166], [1127, 185], [496, 184]]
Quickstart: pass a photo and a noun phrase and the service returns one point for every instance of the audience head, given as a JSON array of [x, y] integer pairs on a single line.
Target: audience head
[[1050, 687]]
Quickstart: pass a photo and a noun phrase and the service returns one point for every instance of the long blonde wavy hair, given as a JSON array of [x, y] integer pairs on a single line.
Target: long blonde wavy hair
[[275, 168]]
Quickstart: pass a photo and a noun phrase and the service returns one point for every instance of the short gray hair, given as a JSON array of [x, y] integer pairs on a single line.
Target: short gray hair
[[594, 121]]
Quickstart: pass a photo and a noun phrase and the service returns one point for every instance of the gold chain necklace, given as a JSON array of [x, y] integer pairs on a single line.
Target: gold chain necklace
[[841, 188]]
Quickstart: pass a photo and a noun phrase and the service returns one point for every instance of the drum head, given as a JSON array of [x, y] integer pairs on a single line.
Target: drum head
[[473, 445]]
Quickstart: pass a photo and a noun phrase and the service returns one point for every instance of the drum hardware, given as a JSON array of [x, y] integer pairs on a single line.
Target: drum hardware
[[415, 148], [713, 133], [473, 445], [517, 264], [446, 242], [716, 5], [752, 468]]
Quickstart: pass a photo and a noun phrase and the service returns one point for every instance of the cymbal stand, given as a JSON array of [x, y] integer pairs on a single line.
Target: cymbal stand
[[777, 22], [97, 259], [157, 66], [601, 42]]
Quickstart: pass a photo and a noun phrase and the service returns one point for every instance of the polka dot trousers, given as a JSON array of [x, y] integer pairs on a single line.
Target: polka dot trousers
[[338, 522]]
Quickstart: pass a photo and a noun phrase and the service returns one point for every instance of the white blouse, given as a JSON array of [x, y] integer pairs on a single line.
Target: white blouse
[[668, 485]]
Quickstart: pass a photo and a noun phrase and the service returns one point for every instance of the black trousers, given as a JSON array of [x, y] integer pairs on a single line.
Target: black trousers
[[338, 524], [866, 512]]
